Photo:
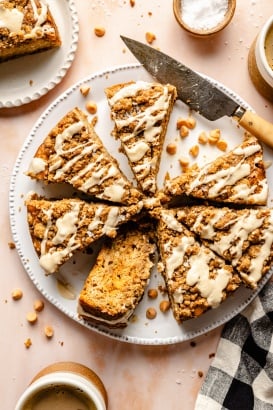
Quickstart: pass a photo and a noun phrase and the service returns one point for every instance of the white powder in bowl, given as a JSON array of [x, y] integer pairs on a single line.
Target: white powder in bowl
[[203, 14]]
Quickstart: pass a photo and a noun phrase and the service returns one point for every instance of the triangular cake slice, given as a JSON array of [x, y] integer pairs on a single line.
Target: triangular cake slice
[[237, 177], [243, 237], [141, 111], [27, 27], [196, 278], [73, 153], [117, 281], [59, 228]]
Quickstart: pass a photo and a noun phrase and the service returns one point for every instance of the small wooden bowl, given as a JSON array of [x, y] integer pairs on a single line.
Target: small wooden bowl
[[177, 9]]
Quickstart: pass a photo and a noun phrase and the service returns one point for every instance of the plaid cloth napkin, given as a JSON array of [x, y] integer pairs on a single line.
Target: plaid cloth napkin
[[241, 374]]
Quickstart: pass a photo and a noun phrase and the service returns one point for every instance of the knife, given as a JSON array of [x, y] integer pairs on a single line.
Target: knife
[[199, 93]]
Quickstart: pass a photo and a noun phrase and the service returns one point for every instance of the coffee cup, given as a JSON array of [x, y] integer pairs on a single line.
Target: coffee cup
[[260, 60], [66, 386]]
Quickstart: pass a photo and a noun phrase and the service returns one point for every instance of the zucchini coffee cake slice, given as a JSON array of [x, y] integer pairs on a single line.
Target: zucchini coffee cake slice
[[141, 112], [73, 153]]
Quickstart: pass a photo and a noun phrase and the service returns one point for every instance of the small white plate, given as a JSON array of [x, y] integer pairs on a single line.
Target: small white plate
[[28, 78], [163, 329]]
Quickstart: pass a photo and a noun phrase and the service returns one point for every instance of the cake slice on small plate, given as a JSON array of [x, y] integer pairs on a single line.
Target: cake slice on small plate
[[237, 177], [73, 153], [59, 228], [244, 237], [117, 281], [26, 27], [141, 111], [196, 278]]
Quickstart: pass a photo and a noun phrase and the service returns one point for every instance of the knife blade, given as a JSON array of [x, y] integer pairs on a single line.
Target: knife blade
[[198, 92]]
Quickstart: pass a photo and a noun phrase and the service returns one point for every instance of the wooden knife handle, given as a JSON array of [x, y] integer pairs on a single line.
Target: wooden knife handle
[[258, 126]]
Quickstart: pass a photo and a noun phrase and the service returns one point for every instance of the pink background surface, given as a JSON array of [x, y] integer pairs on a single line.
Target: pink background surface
[[136, 377]]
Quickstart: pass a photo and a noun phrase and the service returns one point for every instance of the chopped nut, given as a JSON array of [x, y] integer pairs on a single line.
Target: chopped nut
[[17, 294], [38, 305], [203, 138], [151, 313], [11, 245], [222, 145], [183, 131], [84, 89], [99, 31], [164, 306], [150, 37], [91, 107], [171, 148], [184, 163], [194, 151], [49, 332], [32, 317], [28, 343], [152, 293], [214, 136]]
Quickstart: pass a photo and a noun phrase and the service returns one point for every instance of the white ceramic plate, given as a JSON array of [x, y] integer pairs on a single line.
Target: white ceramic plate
[[163, 329], [28, 78]]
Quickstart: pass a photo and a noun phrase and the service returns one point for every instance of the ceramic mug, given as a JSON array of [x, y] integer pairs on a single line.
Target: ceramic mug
[[68, 385], [260, 60]]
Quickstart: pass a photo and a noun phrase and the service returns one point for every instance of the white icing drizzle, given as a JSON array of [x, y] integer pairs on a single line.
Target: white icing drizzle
[[37, 165], [113, 219], [230, 176], [66, 231], [170, 221], [93, 174], [11, 19], [177, 254], [145, 132], [198, 275]]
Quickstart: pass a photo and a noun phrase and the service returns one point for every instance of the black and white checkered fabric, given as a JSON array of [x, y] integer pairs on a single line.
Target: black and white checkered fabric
[[241, 374]]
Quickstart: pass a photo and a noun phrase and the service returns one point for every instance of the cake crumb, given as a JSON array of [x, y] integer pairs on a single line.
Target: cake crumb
[[11, 245], [200, 373]]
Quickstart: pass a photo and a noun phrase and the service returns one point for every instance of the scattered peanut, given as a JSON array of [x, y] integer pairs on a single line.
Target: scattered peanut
[[171, 148], [194, 150], [32, 317], [184, 163], [214, 136], [84, 89], [99, 31], [164, 306], [91, 107], [11, 245], [183, 131], [17, 294], [151, 313], [190, 123], [132, 3], [49, 332], [202, 138], [152, 293], [222, 145], [38, 305], [28, 343], [150, 37]]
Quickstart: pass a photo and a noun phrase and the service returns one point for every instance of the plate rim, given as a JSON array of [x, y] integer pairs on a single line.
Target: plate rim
[[60, 74], [111, 333]]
